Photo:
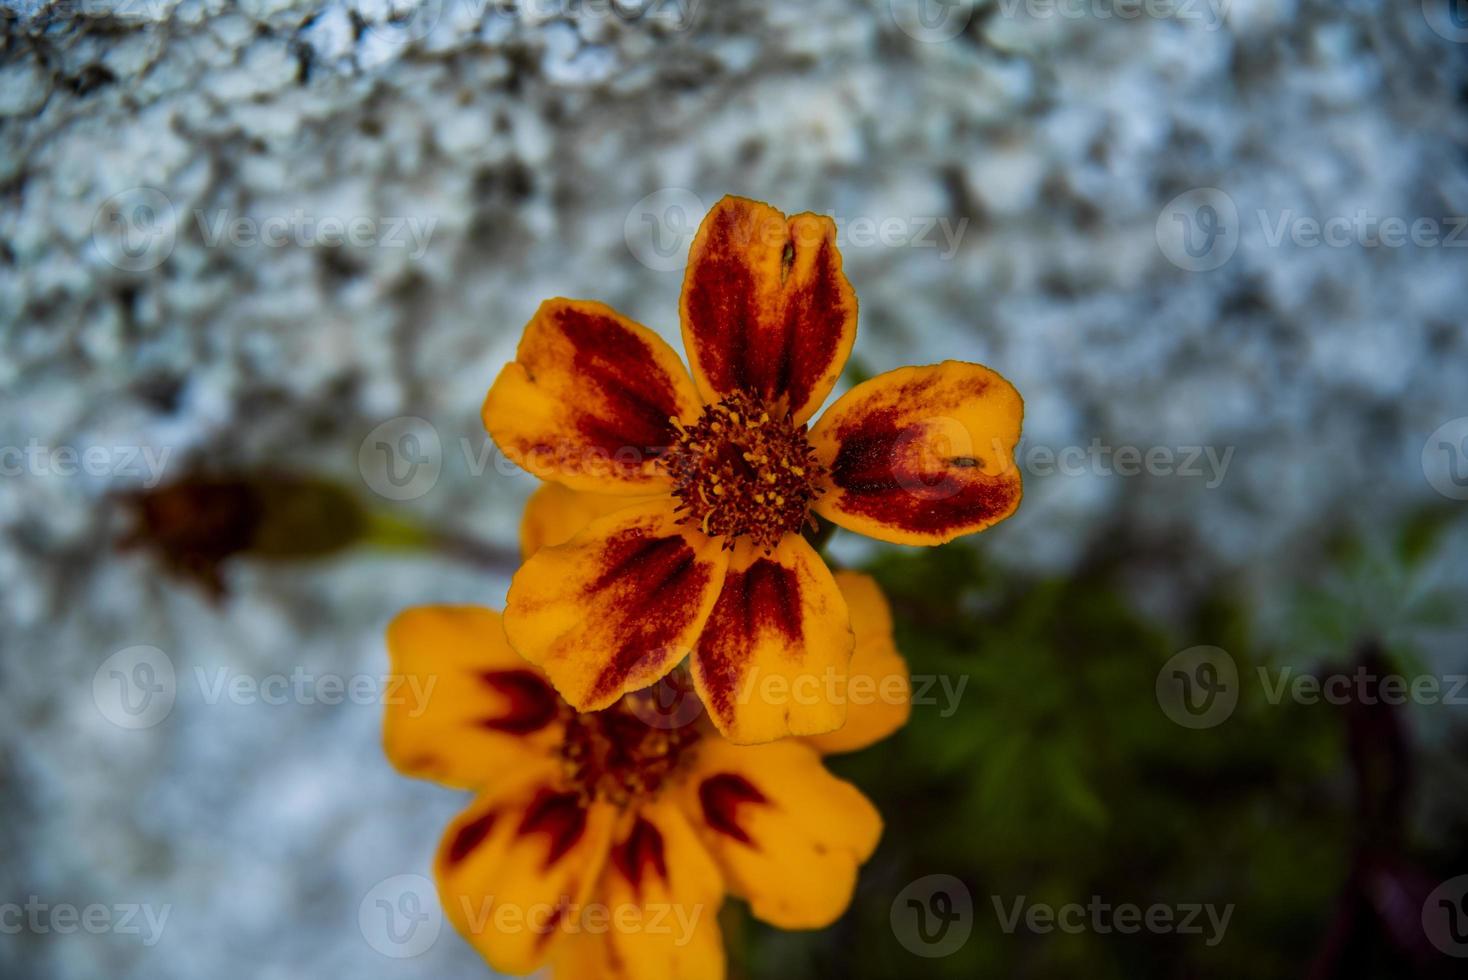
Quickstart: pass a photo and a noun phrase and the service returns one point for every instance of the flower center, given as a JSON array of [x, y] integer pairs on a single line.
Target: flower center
[[616, 756], [741, 470]]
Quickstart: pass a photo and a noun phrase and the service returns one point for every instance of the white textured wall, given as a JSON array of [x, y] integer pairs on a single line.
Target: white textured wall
[[525, 140]]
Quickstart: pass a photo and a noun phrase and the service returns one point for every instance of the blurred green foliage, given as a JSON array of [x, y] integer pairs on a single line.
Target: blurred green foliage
[[1058, 777]]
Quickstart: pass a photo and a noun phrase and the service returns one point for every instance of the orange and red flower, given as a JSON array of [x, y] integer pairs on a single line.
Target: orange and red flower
[[718, 475], [604, 843]]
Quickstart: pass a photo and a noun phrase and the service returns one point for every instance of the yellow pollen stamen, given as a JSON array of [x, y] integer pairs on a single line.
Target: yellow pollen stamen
[[754, 478]]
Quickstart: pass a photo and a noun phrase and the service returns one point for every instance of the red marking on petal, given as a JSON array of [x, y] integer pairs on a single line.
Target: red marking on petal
[[765, 596], [775, 341], [630, 552], [620, 368], [533, 703], [878, 469], [547, 931], [721, 797], [560, 816], [470, 836], [642, 849], [661, 582], [720, 298], [812, 329]]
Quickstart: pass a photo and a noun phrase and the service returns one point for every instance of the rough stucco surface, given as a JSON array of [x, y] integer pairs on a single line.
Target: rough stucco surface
[[525, 139]]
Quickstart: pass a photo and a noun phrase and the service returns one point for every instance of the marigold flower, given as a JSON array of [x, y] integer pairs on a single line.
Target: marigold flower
[[604, 843], [720, 474]]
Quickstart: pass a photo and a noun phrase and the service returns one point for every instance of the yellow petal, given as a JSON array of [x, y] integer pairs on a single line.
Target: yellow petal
[[616, 607], [592, 956], [554, 514], [517, 863], [463, 707], [877, 691], [585, 956], [663, 891], [788, 835], [776, 647], [766, 308], [921, 455], [588, 399]]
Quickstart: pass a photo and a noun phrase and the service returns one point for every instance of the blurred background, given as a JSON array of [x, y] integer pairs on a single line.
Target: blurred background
[[260, 259]]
